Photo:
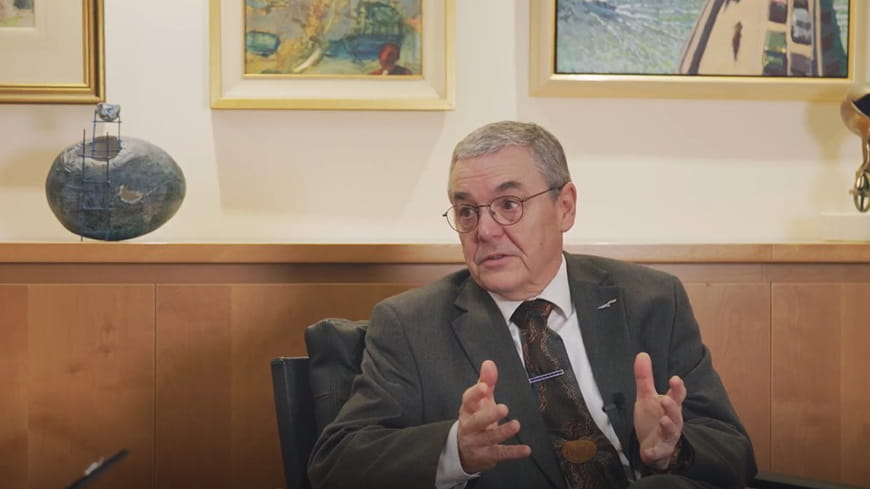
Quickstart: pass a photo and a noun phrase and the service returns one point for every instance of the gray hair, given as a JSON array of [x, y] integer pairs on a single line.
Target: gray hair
[[546, 151]]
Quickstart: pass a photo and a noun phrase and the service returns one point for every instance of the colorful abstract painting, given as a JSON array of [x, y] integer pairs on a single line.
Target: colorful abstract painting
[[16, 13], [333, 37]]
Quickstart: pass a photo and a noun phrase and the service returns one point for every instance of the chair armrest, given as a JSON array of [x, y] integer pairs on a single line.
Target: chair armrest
[[774, 480]]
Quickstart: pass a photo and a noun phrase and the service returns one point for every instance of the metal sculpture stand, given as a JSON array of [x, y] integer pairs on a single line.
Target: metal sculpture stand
[[94, 194], [855, 111]]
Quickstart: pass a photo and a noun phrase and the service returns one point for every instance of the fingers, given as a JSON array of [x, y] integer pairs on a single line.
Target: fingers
[[658, 418], [672, 412], [670, 430], [474, 398], [643, 376], [656, 449], [482, 428], [677, 389], [480, 442], [488, 373], [481, 394], [479, 435], [479, 414]]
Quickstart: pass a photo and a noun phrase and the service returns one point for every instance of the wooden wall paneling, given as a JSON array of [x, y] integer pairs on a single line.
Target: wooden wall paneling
[[714, 272], [679, 252], [805, 381], [268, 321], [856, 396], [214, 391], [90, 361], [833, 273], [186, 372], [735, 325], [14, 446], [194, 373]]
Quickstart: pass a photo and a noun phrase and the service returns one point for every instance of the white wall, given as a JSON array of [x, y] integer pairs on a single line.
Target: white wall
[[649, 170]]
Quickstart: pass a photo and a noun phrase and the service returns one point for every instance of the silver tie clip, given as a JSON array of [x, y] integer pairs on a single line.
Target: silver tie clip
[[550, 375]]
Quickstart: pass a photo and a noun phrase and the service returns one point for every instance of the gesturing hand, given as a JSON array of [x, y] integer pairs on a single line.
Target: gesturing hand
[[479, 434], [658, 419]]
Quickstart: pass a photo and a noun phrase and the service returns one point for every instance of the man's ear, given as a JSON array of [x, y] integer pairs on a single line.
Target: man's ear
[[567, 204]]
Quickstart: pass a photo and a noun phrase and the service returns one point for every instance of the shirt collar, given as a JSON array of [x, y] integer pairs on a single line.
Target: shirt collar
[[557, 291]]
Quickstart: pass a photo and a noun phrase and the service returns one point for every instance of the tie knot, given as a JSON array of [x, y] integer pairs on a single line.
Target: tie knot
[[531, 310]]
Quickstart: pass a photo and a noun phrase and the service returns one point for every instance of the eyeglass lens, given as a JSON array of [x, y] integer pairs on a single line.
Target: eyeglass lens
[[505, 210]]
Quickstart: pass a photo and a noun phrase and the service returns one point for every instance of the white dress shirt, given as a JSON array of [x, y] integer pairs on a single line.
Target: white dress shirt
[[565, 322]]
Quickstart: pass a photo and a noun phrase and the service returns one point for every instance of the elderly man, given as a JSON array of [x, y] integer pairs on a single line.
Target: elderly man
[[532, 368]]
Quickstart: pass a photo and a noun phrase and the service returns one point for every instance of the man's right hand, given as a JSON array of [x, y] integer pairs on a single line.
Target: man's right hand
[[479, 433]]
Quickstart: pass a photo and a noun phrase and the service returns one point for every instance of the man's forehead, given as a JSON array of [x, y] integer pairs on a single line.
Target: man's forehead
[[508, 169]]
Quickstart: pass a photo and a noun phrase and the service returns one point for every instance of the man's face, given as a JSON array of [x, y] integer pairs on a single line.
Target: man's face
[[519, 260]]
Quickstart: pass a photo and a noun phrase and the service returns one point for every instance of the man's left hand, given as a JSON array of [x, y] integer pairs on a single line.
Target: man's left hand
[[658, 419]]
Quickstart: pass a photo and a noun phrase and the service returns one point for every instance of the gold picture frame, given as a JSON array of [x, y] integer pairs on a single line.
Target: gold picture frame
[[545, 81], [57, 60], [231, 88]]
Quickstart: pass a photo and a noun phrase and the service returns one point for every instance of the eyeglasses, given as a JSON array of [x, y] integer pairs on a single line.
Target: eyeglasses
[[505, 210]]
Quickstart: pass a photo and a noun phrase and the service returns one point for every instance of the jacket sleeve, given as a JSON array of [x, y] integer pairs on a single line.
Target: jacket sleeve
[[718, 447], [379, 438]]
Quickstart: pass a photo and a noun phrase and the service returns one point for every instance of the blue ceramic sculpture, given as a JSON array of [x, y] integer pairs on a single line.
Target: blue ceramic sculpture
[[112, 188]]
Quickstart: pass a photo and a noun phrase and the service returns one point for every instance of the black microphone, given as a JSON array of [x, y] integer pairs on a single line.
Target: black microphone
[[617, 400]]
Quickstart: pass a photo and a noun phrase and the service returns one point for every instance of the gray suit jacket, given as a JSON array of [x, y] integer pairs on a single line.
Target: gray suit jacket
[[424, 348]]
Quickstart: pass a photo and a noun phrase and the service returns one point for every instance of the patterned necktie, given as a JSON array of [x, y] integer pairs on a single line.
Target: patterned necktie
[[587, 457]]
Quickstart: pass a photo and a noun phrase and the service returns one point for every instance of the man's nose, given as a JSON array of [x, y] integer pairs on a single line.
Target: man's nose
[[487, 226]]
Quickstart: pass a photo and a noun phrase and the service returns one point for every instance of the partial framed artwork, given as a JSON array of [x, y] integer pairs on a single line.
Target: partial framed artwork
[[51, 51], [332, 54], [749, 49]]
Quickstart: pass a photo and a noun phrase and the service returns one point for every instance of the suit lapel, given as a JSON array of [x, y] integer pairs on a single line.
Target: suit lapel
[[601, 314], [483, 334]]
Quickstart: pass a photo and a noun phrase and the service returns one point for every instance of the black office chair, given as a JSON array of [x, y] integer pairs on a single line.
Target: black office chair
[[309, 391]]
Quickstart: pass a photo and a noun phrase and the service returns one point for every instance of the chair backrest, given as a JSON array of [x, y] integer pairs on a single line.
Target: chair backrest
[[314, 388]]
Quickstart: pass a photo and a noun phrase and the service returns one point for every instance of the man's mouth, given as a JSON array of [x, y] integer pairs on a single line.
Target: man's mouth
[[493, 258]]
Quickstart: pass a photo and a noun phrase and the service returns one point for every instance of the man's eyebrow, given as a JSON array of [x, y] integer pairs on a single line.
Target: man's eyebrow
[[503, 187], [509, 185], [461, 196]]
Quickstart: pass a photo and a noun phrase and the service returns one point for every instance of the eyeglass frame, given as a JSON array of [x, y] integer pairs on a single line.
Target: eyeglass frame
[[492, 213]]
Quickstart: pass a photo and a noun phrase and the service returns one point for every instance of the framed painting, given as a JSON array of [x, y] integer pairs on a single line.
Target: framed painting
[[51, 51], [332, 54], [750, 49]]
